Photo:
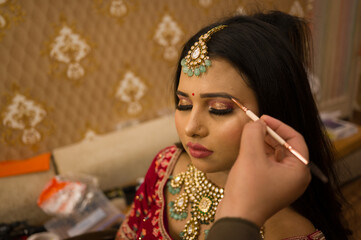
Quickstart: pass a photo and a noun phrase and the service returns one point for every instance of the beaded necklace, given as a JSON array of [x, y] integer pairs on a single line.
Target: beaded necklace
[[201, 194]]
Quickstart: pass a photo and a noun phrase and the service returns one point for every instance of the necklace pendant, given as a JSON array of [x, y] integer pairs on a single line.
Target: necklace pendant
[[202, 195], [181, 203], [204, 209], [191, 230], [177, 181], [178, 208]]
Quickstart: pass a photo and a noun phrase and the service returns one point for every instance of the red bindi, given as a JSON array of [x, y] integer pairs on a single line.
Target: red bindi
[[192, 94]]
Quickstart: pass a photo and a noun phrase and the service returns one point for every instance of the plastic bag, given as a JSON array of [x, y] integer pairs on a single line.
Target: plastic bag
[[78, 206]]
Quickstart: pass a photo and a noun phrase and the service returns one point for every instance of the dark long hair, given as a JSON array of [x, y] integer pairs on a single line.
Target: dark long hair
[[271, 52]]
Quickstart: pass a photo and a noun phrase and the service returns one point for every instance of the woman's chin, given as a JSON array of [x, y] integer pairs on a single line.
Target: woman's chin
[[205, 165]]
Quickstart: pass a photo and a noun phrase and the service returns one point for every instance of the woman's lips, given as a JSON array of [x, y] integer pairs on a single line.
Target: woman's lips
[[198, 151]]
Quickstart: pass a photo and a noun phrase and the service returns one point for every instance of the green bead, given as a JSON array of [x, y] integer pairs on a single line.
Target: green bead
[[183, 62], [190, 73], [185, 69], [184, 214], [208, 63], [203, 68], [206, 232], [197, 72]]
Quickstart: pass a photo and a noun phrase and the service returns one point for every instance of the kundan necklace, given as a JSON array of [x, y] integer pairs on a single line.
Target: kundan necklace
[[202, 195]]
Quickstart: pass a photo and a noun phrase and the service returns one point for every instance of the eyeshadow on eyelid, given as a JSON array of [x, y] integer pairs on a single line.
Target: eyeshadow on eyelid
[[220, 105], [184, 100]]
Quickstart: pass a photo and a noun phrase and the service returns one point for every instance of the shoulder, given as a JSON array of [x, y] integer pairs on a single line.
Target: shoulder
[[163, 160], [164, 156], [286, 224]]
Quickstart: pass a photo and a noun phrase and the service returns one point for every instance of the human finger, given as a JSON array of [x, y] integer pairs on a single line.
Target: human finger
[[252, 141], [291, 136]]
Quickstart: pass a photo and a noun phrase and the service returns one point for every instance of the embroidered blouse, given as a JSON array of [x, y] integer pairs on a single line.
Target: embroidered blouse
[[147, 218]]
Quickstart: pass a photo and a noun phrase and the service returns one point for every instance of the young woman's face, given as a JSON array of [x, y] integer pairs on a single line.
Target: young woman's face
[[210, 126]]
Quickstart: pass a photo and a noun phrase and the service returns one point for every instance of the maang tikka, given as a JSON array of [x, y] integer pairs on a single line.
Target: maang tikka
[[197, 60]]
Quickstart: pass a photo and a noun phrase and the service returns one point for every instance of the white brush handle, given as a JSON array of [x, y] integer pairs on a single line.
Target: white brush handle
[[314, 169], [254, 117]]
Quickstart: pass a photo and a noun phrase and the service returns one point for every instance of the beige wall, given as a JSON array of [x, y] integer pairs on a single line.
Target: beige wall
[[73, 69]]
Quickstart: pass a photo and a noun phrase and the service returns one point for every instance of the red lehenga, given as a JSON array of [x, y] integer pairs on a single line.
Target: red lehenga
[[147, 218]]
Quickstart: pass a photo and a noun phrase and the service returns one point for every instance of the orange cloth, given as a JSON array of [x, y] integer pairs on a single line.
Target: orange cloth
[[34, 164]]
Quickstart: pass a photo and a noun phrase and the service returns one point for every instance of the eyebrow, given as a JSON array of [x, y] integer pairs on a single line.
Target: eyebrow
[[214, 95], [208, 95], [182, 93]]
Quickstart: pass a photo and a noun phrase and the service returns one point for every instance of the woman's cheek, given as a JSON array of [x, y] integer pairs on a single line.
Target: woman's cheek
[[233, 129], [178, 121]]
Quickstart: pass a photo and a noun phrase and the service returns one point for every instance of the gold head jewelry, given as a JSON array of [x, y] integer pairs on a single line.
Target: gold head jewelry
[[197, 60]]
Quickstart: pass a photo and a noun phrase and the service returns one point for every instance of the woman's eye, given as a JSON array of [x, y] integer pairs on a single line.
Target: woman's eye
[[220, 111], [219, 108], [184, 105]]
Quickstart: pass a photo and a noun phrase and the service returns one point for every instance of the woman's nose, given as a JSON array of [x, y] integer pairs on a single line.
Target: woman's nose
[[195, 126]]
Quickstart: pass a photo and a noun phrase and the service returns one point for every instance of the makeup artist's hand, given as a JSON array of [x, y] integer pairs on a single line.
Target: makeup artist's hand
[[265, 177]]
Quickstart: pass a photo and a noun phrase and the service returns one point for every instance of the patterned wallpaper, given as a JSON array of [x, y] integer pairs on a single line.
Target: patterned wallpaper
[[73, 69]]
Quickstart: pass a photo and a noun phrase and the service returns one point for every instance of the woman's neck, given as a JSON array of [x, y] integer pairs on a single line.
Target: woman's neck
[[218, 178]]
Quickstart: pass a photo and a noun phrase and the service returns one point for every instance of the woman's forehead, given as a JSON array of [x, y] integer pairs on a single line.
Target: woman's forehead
[[220, 77]]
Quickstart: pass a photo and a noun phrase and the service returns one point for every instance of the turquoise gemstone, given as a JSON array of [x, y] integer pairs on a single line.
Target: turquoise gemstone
[[203, 68], [208, 63], [190, 73], [183, 62], [197, 72], [206, 232], [185, 69]]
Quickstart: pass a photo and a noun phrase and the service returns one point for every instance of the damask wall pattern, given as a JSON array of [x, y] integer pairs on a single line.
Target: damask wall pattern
[[74, 69]]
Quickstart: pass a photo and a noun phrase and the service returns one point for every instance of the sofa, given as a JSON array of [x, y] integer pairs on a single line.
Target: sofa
[[116, 159]]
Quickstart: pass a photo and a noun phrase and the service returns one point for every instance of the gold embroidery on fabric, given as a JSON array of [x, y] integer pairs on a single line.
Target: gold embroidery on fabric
[[70, 49], [169, 170], [168, 35], [125, 232], [10, 12]]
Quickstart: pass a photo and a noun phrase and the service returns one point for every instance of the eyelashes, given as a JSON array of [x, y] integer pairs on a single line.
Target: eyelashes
[[211, 110], [220, 111], [184, 107]]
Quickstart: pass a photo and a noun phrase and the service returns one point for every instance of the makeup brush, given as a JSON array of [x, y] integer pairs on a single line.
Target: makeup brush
[[313, 167]]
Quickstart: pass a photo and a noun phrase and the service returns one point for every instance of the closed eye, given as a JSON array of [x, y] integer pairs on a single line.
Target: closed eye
[[184, 104], [220, 111], [218, 107], [184, 107]]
